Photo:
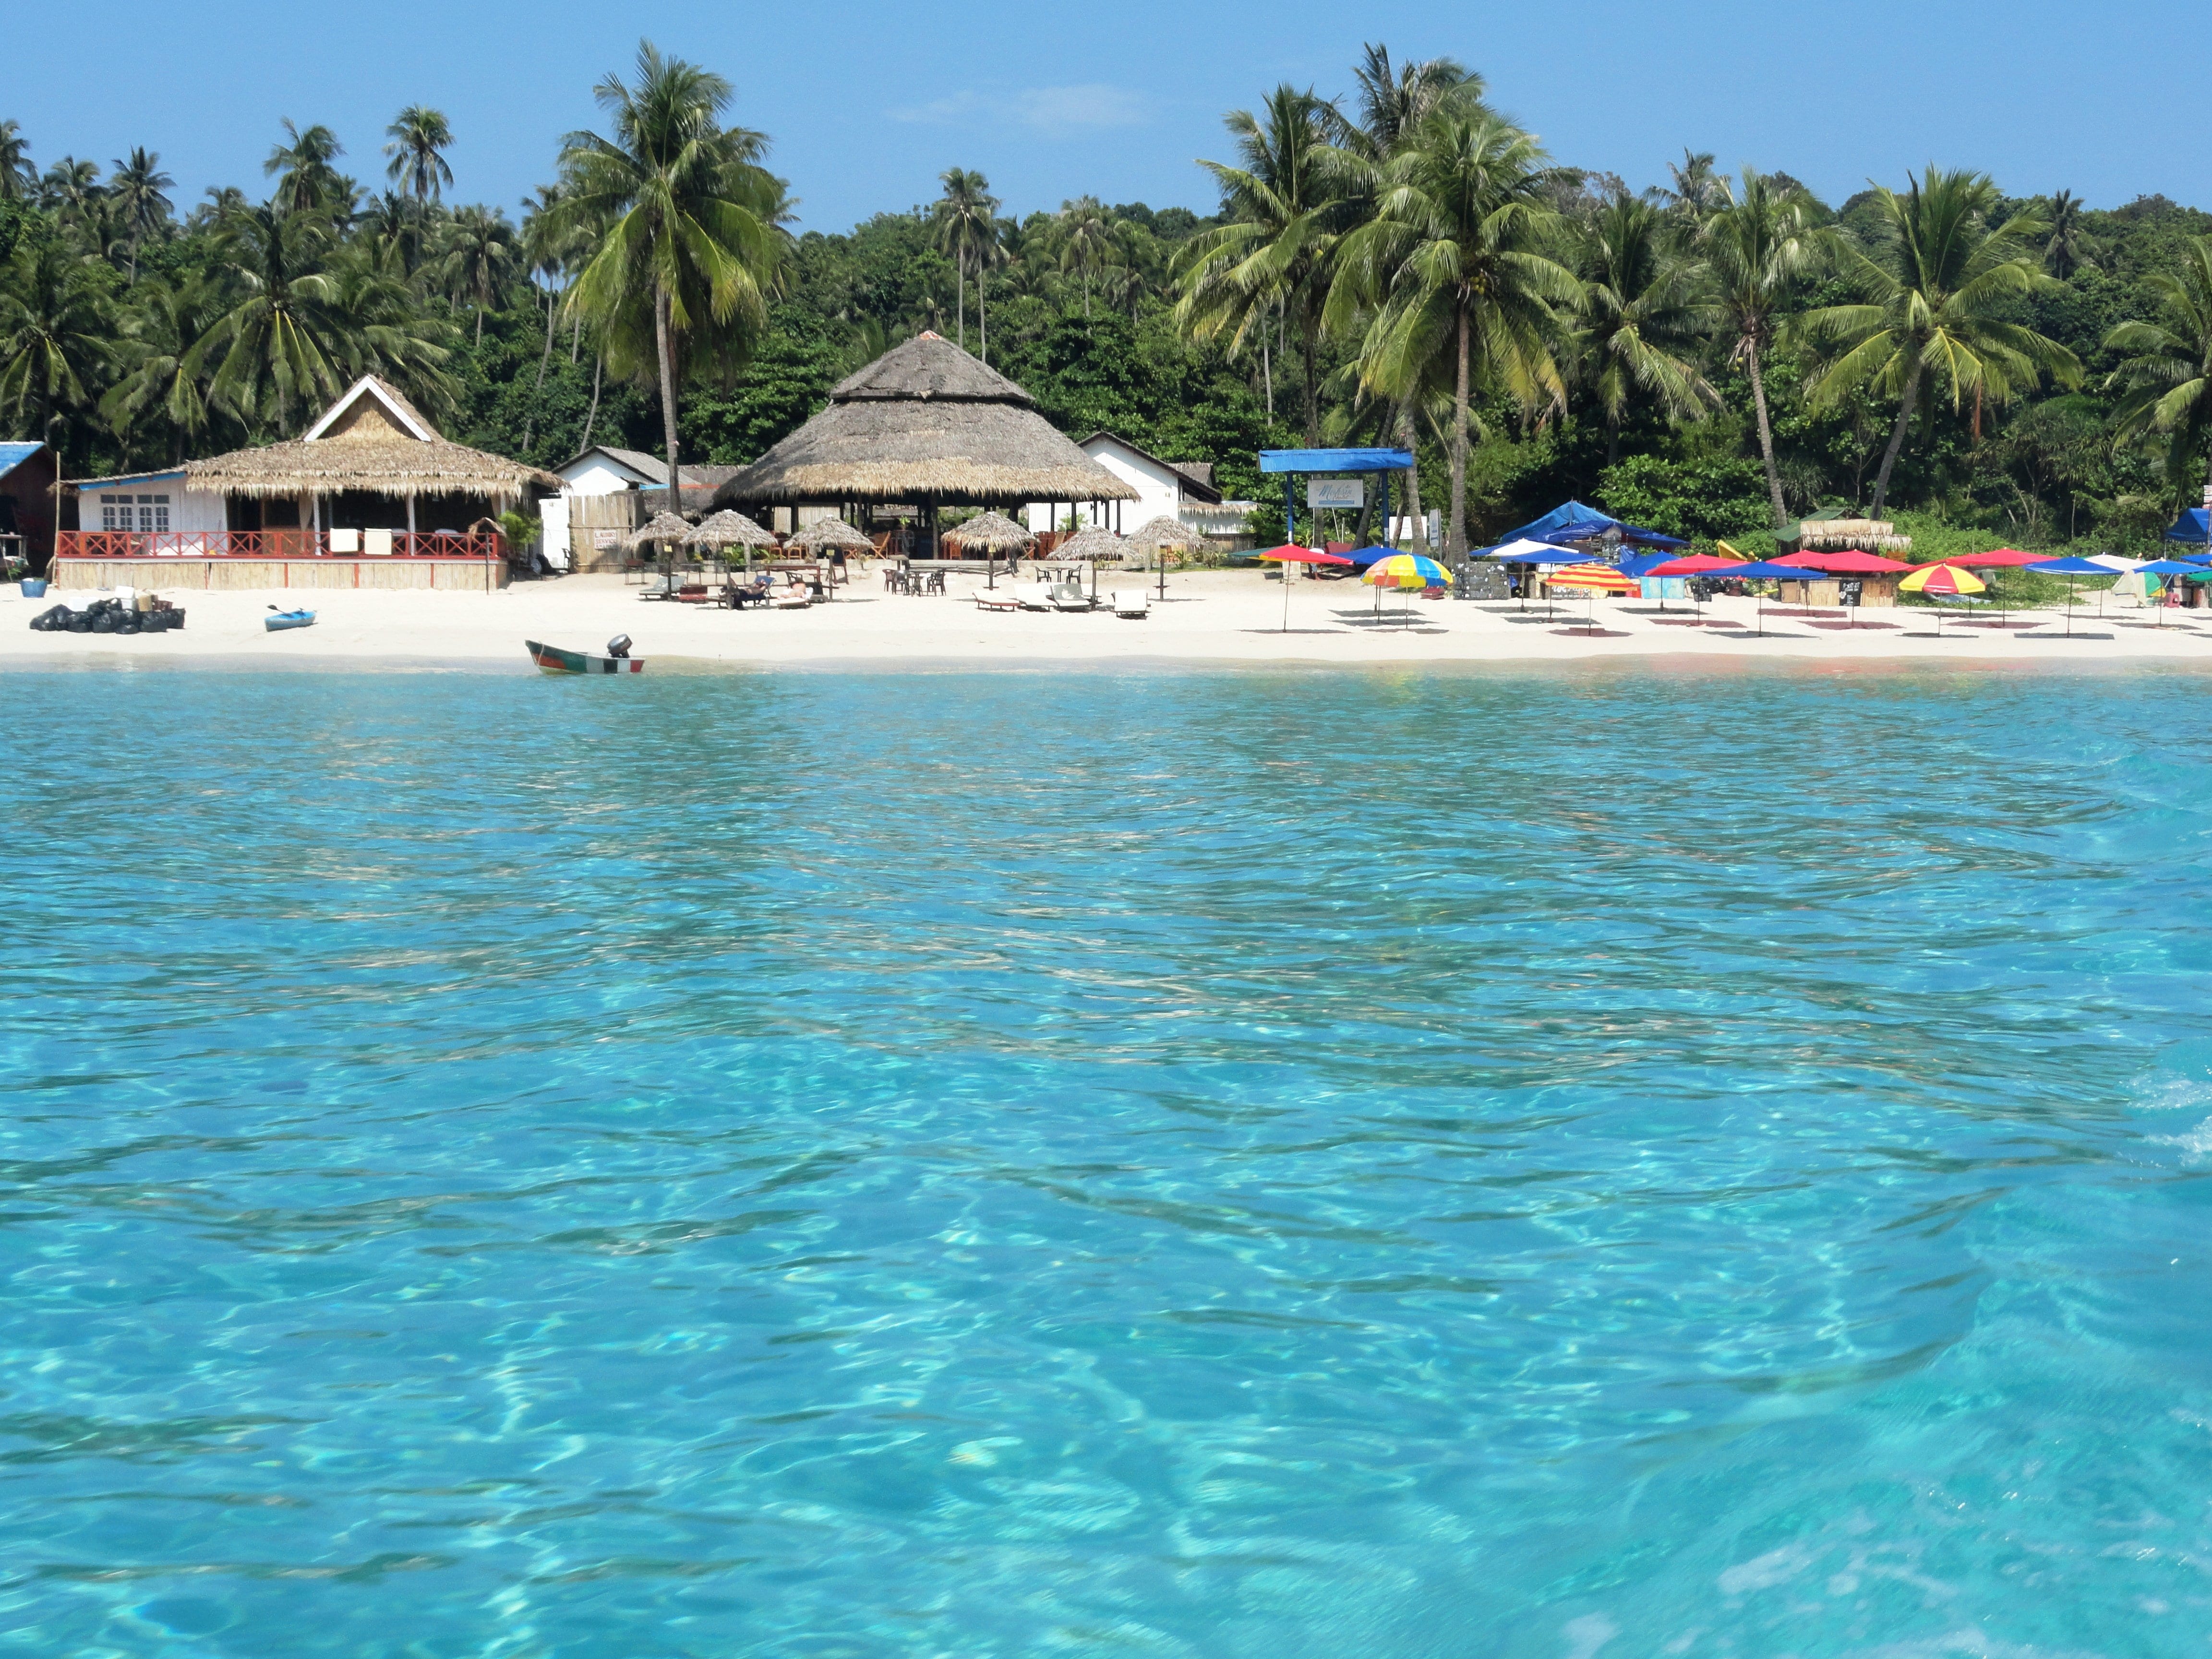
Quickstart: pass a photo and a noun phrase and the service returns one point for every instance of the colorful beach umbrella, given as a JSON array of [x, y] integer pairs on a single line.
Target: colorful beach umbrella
[[1941, 579], [1290, 553], [1694, 564], [1851, 561], [2163, 568], [1771, 570], [1404, 570]]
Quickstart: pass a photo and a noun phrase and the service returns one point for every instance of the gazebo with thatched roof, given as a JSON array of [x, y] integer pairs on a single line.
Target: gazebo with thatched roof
[[370, 463], [926, 425]]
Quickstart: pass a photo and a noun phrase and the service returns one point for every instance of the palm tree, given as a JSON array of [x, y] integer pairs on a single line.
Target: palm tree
[[690, 238], [993, 251], [275, 348], [71, 186], [1934, 304], [1640, 313], [306, 180], [1456, 268], [2069, 246], [55, 330], [17, 175], [1696, 193], [1395, 100], [1283, 207], [1759, 246], [156, 338], [965, 217], [2166, 379], [419, 138], [1088, 237], [480, 256], [137, 188]]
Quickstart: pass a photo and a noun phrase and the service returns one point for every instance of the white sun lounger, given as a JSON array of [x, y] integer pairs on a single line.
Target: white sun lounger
[[1138, 604], [997, 599]]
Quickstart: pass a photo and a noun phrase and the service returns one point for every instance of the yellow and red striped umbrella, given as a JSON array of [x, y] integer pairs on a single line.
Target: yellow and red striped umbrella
[[1596, 578], [1941, 579], [1406, 570]]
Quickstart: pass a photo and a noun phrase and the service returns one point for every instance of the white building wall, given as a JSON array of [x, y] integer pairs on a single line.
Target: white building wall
[[596, 475], [1159, 490], [157, 501]]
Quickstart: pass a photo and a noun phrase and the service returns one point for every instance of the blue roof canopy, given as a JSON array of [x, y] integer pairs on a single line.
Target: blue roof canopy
[[1335, 461], [2189, 527], [1575, 521], [13, 455]]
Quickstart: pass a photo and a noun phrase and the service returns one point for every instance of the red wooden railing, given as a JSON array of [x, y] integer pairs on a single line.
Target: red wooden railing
[[265, 544]]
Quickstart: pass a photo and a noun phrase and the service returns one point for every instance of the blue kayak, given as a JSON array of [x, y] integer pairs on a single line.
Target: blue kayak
[[278, 621]]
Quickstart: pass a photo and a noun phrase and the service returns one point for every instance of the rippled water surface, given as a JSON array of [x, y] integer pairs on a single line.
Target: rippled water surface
[[1150, 1164]]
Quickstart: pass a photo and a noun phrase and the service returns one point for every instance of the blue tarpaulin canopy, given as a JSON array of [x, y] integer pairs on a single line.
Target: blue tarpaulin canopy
[[1335, 461], [2189, 527], [1575, 521]]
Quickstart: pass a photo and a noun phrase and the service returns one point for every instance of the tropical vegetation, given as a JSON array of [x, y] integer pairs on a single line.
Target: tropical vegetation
[[1402, 262]]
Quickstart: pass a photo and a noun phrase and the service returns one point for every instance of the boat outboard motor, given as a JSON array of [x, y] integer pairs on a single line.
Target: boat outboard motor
[[618, 646]]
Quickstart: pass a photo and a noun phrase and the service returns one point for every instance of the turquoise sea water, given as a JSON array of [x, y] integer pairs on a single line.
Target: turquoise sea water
[[1574, 1164]]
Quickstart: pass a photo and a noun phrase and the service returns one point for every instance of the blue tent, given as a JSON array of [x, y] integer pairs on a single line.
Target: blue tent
[[2189, 527], [1575, 521]]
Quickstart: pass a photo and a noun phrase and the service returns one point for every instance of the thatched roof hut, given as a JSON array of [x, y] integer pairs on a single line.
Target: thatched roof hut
[[729, 528], [927, 423], [372, 442], [990, 532], [1833, 529], [827, 533]]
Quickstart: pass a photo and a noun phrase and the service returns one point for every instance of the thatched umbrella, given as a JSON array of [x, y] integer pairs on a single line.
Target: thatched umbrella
[[827, 533], [1157, 535], [1868, 534], [994, 532], [664, 527], [1092, 544], [730, 528]]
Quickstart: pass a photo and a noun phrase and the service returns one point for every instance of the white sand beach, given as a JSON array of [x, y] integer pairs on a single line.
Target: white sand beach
[[1208, 616]]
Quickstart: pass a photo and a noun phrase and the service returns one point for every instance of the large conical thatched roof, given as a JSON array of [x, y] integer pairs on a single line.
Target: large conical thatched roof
[[925, 422], [1092, 543], [374, 440]]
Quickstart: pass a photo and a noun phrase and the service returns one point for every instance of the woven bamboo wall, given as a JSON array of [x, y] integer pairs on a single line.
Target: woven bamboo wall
[[277, 575]]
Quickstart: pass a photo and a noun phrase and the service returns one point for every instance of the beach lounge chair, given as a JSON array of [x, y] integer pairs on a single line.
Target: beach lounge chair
[[1001, 598], [1138, 604], [1068, 596], [1035, 597]]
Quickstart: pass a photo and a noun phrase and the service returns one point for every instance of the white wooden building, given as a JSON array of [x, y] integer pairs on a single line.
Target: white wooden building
[[606, 492], [1173, 489]]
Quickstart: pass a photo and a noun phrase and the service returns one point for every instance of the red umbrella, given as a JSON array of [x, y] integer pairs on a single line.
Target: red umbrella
[[1291, 553], [1851, 561], [1691, 564]]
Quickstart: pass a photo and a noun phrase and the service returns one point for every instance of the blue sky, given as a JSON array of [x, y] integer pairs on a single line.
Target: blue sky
[[867, 102]]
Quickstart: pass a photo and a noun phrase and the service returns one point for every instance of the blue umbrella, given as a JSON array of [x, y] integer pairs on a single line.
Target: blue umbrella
[[2071, 567], [1767, 569], [1523, 551], [2168, 568]]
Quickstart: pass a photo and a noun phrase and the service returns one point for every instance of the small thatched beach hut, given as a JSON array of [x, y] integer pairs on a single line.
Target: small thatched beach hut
[[371, 463], [924, 426]]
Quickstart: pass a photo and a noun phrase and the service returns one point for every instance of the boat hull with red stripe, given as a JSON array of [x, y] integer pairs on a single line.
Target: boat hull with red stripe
[[553, 659]]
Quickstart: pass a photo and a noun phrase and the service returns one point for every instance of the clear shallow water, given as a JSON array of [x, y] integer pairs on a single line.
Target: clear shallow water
[[1160, 1163]]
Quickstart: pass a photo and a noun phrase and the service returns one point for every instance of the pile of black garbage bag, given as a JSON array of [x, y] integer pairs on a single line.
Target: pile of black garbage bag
[[110, 617]]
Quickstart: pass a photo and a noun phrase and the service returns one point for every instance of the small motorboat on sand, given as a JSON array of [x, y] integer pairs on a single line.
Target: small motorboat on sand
[[277, 621], [555, 660]]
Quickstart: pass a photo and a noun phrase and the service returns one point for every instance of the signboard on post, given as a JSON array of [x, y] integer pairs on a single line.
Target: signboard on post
[[1336, 492]]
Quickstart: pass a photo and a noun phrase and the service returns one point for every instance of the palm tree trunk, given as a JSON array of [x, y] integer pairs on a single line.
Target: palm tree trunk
[[960, 266], [590, 418], [1611, 438], [1455, 532], [1268, 369], [1412, 477], [668, 357], [1765, 436], [1896, 441], [982, 317], [530, 425], [479, 324], [1312, 330]]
